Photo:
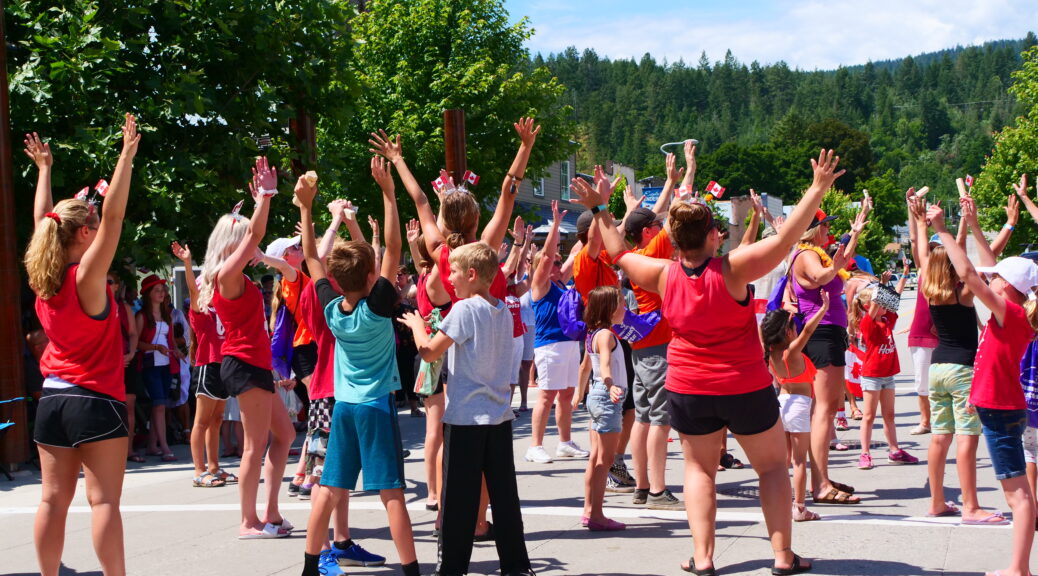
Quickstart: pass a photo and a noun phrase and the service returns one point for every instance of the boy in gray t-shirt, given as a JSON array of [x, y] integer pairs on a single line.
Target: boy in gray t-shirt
[[478, 418]]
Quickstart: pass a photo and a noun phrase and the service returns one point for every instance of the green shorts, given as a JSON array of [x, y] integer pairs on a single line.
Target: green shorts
[[950, 410]]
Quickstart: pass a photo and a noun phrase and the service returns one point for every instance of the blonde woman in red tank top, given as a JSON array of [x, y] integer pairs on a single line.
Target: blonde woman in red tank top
[[706, 300], [81, 419]]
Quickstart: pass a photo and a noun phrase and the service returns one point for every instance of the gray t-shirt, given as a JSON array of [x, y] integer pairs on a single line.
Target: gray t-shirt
[[478, 390]]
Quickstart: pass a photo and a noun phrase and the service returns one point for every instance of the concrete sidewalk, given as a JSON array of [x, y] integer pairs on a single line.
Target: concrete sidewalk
[[173, 528]]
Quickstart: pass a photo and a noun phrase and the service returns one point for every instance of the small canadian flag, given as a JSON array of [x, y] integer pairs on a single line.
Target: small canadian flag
[[101, 187], [82, 194], [439, 183], [969, 181], [684, 192], [471, 177], [715, 189]]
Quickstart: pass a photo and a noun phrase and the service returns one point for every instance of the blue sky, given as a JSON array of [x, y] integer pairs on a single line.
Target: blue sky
[[807, 34]]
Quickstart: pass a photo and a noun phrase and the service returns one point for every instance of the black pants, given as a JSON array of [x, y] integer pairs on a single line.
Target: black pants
[[469, 453]]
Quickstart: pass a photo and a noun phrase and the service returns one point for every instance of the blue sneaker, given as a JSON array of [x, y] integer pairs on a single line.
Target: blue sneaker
[[357, 556], [327, 566]]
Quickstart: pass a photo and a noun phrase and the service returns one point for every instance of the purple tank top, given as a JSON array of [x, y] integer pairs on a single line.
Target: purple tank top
[[811, 300], [921, 331]]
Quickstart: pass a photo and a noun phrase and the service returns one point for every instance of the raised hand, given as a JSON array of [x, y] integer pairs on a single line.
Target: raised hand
[[630, 200], [1021, 187], [1012, 211], [603, 185], [885, 277], [585, 193], [380, 171], [674, 174], [969, 210], [385, 146], [414, 230], [917, 206], [758, 203], [825, 301], [824, 168], [860, 220], [38, 151], [527, 131], [131, 138], [690, 156], [935, 217], [374, 229], [182, 252], [305, 192], [264, 177], [518, 230], [557, 216]]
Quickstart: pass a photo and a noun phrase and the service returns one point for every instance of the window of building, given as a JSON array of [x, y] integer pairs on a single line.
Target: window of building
[[538, 187], [564, 178]]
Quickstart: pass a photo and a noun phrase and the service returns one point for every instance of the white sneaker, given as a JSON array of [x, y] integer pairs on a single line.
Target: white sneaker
[[537, 454], [570, 450]]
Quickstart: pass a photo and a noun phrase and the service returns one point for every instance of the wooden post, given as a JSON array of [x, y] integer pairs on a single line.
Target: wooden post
[[454, 143], [304, 132], [15, 446]]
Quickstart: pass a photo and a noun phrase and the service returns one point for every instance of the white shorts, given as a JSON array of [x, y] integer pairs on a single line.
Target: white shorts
[[558, 365], [230, 410], [517, 360], [528, 342], [921, 369], [1031, 445], [795, 410]]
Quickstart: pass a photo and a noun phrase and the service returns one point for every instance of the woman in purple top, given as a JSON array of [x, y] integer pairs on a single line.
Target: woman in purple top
[[813, 272]]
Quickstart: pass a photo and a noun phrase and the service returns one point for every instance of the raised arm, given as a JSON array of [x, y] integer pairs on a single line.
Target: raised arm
[[542, 273], [494, 233], [183, 253], [392, 151], [798, 343], [413, 230], [383, 175], [287, 271], [921, 245], [1021, 191], [756, 260], [1012, 219], [964, 268], [304, 194], [515, 251], [92, 275], [690, 163], [264, 185], [337, 208], [969, 218], [39, 152], [750, 235]]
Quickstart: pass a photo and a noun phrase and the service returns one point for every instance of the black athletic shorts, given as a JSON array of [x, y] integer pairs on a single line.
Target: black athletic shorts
[[743, 414], [207, 382], [827, 346], [68, 417], [304, 360], [133, 380], [239, 377]]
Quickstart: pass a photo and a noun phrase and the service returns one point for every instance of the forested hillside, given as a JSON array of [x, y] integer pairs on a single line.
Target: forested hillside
[[917, 121]]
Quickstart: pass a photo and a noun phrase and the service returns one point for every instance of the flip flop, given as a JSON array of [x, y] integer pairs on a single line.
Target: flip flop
[[136, 458], [691, 568], [993, 519], [796, 568], [950, 510], [835, 496], [226, 476], [268, 532], [170, 457]]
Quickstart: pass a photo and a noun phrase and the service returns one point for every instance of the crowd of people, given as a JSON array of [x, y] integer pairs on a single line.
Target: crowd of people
[[644, 322]]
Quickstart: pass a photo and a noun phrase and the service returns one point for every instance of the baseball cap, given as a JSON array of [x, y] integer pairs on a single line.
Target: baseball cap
[[1021, 273], [639, 219], [820, 218], [935, 240], [277, 248], [584, 221]]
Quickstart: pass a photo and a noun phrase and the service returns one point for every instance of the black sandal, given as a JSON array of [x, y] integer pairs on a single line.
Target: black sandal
[[729, 462], [711, 571], [796, 568]]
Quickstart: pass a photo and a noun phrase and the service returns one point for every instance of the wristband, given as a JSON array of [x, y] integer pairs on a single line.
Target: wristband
[[265, 192], [597, 209], [1009, 227]]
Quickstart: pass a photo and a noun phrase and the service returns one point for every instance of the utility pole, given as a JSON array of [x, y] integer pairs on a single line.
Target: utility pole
[[14, 446], [454, 143]]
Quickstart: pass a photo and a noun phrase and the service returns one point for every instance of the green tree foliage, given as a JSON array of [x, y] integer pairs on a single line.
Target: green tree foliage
[[1015, 153], [205, 78], [418, 58]]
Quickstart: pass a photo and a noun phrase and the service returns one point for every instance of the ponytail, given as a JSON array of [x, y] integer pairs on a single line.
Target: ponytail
[[46, 257], [455, 240]]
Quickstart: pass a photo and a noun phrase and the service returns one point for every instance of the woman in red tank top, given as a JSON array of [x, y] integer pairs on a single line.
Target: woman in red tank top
[[246, 367], [718, 379], [81, 419]]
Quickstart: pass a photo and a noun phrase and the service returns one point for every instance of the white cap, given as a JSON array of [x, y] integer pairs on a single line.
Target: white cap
[[1021, 273], [277, 248]]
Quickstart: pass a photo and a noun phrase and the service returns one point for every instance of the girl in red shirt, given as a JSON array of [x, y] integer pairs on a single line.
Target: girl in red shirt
[[81, 418], [718, 379], [247, 363], [996, 391], [158, 358]]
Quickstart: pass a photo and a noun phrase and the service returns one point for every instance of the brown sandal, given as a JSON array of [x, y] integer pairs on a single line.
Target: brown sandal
[[834, 496]]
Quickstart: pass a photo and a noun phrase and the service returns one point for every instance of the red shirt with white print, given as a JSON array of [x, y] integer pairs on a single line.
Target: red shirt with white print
[[996, 372], [880, 350]]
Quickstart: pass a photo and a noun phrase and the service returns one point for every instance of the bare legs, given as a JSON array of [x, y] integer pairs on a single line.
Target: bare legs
[[104, 465], [603, 448], [262, 413], [829, 392], [157, 433], [205, 434], [433, 446]]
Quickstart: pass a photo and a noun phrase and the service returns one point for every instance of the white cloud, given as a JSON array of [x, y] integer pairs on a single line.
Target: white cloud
[[806, 34]]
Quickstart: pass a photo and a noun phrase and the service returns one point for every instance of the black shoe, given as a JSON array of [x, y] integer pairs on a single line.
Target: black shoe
[[487, 536], [692, 568]]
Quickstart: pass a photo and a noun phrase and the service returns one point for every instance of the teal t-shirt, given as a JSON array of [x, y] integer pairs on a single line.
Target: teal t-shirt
[[365, 344]]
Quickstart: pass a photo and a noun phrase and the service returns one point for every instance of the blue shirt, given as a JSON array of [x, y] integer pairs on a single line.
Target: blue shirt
[[549, 331]]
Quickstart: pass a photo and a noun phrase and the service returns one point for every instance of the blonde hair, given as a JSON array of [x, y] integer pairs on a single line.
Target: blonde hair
[[858, 308], [227, 235], [47, 254], [810, 236], [460, 216], [275, 304], [476, 256], [941, 280], [1031, 308]]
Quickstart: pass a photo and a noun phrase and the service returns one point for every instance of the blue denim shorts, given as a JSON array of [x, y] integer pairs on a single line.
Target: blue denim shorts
[[1004, 431], [606, 416]]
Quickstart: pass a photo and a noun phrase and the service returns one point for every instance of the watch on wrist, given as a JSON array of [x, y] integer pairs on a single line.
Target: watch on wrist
[[597, 209]]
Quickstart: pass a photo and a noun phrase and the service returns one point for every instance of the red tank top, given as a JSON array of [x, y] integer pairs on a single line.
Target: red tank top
[[715, 350], [245, 335], [209, 334], [82, 350], [498, 288]]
